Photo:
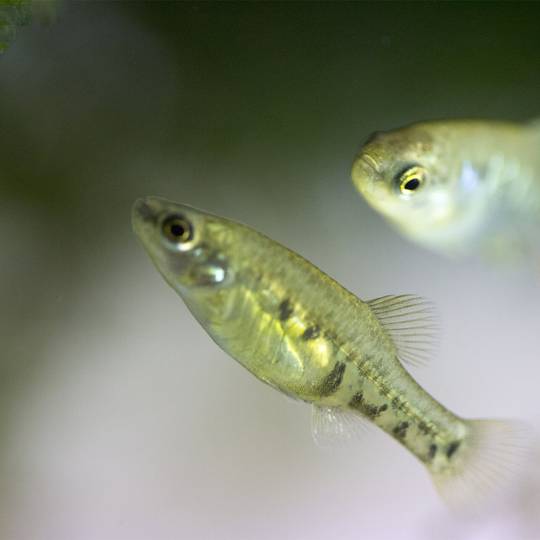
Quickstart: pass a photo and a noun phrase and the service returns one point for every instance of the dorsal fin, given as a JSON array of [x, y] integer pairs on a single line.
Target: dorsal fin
[[411, 322]]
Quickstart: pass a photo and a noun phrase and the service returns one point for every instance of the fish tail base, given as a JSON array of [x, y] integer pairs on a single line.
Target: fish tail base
[[486, 465]]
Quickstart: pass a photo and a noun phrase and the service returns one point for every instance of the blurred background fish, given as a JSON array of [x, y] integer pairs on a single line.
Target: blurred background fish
[[254, 111], [461, 187]]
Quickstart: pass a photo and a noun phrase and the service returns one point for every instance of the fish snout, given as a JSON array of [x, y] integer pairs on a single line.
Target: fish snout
[[144, 211]]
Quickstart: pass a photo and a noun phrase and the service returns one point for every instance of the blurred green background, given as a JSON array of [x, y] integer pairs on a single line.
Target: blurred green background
[[119, 418]]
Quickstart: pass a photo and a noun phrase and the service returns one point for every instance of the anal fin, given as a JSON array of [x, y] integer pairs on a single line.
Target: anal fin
[[333, 427]]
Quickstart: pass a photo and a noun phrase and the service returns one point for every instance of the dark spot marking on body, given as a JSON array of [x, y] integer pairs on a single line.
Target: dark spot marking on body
[[452, 448], [371, 411], [367, 409], [312, 332], [401, 430], [432, 451], [356, 400], [332, 381], [422, 426], [285, 310], [396, 402]]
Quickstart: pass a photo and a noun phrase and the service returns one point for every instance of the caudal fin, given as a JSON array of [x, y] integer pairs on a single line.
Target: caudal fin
[[479, 468]]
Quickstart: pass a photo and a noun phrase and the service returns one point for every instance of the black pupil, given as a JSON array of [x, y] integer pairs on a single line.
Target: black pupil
[[178, 230], [412, 184]]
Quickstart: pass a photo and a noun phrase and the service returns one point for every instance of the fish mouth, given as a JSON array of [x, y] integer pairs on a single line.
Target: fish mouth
[[367, 178], [145, 215], [150, 209], [370, 162], [144, 211], [147, 212]]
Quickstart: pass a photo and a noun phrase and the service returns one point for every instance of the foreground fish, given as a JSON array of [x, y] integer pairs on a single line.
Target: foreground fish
[[458, 186], [299, 331]]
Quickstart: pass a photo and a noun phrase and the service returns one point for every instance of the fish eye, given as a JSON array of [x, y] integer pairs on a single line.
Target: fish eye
[[411, 180], [177, 229]]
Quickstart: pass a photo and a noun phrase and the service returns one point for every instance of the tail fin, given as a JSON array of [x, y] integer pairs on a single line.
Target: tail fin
[[484, 464]]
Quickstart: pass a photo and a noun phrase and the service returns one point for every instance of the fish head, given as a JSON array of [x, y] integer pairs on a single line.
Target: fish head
[[188, 246], [407, 176]]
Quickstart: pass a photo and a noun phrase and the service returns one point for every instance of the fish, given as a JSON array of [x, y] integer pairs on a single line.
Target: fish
[[299, 331], [462, 188]]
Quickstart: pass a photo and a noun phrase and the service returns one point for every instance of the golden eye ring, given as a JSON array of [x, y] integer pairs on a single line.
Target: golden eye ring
[[177, 229], [411, 180]]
